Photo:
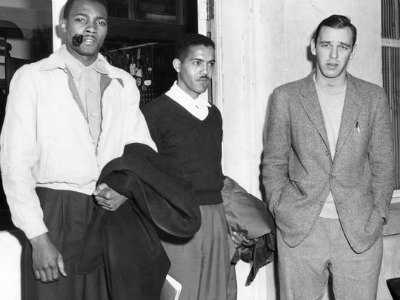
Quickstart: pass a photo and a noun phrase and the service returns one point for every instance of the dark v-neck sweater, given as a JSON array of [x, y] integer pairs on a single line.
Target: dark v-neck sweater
[[191, 147]]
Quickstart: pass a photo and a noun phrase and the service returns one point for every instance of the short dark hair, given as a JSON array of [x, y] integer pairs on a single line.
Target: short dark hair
[[68, 6], [336, 21], [184, 42]]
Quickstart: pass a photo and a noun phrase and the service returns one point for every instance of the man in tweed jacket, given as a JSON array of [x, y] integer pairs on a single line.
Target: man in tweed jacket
[[328, 173]]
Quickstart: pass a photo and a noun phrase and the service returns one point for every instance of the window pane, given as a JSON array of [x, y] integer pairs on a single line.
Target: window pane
[[390, 19], [391, 84]]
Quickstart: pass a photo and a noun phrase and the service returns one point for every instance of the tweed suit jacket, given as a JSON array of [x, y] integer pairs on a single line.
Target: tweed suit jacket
[[299, 171]]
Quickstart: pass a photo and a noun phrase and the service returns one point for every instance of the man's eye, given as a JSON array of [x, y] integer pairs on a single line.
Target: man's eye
[[79, 20], [102, 23], [344, 47]]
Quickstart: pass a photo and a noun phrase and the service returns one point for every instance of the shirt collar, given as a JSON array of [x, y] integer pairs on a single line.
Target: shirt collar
[[180, 96], [57, 60], [76, 67]]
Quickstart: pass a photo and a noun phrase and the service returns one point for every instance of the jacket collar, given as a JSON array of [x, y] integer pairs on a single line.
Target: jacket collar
[[56, 61], [309, 101]]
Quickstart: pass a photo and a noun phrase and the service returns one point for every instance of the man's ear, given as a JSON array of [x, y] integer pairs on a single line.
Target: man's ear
[[353, 51], [63, 25], [312, 47], [176, 63]]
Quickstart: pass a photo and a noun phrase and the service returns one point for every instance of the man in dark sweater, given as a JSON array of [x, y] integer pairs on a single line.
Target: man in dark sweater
[[188, 133]]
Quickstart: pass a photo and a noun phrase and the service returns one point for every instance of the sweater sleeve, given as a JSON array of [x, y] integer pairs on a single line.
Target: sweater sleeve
[[152, 122]]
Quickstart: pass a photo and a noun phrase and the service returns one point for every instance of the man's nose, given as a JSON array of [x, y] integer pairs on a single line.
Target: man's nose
[[92, 27], [206, 69], [334, 52], [203, 69]]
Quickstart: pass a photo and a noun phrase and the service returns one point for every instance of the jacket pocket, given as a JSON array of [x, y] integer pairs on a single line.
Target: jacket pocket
[[292, 191]]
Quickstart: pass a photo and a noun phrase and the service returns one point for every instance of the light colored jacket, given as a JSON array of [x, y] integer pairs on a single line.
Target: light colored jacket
[[299, 171], [45, 140]]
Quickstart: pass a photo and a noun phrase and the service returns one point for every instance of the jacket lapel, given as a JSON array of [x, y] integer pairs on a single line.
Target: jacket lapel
[[351, 109], [312, 107]]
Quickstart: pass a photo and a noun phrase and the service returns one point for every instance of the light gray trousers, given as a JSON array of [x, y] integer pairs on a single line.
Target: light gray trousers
[[304, 270]]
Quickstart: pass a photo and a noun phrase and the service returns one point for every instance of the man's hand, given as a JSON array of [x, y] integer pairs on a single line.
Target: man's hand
[[47, 261], [241, 241], [107, 198]]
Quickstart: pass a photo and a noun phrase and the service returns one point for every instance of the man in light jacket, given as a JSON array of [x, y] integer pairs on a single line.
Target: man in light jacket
[[66, 117]]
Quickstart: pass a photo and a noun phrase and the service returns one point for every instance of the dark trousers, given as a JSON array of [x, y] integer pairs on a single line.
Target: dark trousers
[[66, 215]]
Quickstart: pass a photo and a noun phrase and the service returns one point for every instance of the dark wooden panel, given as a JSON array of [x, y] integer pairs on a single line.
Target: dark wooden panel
[[128, 31]]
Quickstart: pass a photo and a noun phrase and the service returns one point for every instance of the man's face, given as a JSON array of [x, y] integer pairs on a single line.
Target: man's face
[[195, 72], [88, 19], [333, 49]]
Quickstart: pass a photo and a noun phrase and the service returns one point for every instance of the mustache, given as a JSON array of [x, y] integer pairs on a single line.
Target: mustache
[[77, 40]]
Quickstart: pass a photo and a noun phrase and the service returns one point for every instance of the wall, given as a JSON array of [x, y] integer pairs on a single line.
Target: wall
[[10, 270], [24, 3], [57, 6], [262, 44]]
